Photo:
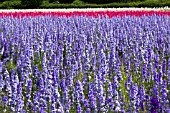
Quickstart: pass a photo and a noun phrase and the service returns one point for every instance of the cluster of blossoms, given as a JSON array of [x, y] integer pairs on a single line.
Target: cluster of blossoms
[[110, 12], [85, 64]]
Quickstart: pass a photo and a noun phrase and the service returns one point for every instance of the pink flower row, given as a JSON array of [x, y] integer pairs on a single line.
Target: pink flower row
[[86, 13]]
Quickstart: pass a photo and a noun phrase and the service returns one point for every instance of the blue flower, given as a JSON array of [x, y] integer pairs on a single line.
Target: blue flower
[[155, 105], [2, 82]]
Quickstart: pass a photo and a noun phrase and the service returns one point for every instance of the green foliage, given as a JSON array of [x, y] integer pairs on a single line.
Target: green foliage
[[16, 4], [31, 3], [98, 1], [110, 5], [109, 1], [45, 2], [123, 82], [37, 61], [11, 65], [11, 5], [79, 77], [78, 2]]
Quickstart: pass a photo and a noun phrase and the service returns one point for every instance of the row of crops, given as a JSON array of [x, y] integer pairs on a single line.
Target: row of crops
[[89, 12], [85, 64]]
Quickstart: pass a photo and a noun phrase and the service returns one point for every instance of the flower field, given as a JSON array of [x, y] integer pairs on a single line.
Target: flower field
[[85, 62], [89, 12]]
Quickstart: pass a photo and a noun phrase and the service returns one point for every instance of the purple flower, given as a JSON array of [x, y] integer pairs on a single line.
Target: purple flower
[[109, 100], [164, 92], [142, 96], [164, 66], [144, 70], [44, 61], [5, 100], [36, 101], [79, 91], [93, 61], [1, 66], [56, 105], [20, 105], [50, 54], [101, 96], [169, 64], [63, 84], [128, 82], [92, 98], [86, 103], [88, 110], [29, 85], [43, 104], [2, 82], [155, 105], [78, 108], [119, 75], [168, 110], [133, 95], [66, 99], [19, 89], [156, 61], [85, 62]]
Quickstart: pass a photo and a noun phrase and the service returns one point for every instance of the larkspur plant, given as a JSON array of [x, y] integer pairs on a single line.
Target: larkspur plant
[[52, 64], [88, 12]]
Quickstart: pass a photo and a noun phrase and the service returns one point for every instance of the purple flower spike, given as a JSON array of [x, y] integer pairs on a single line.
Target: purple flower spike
[[155, 105]]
